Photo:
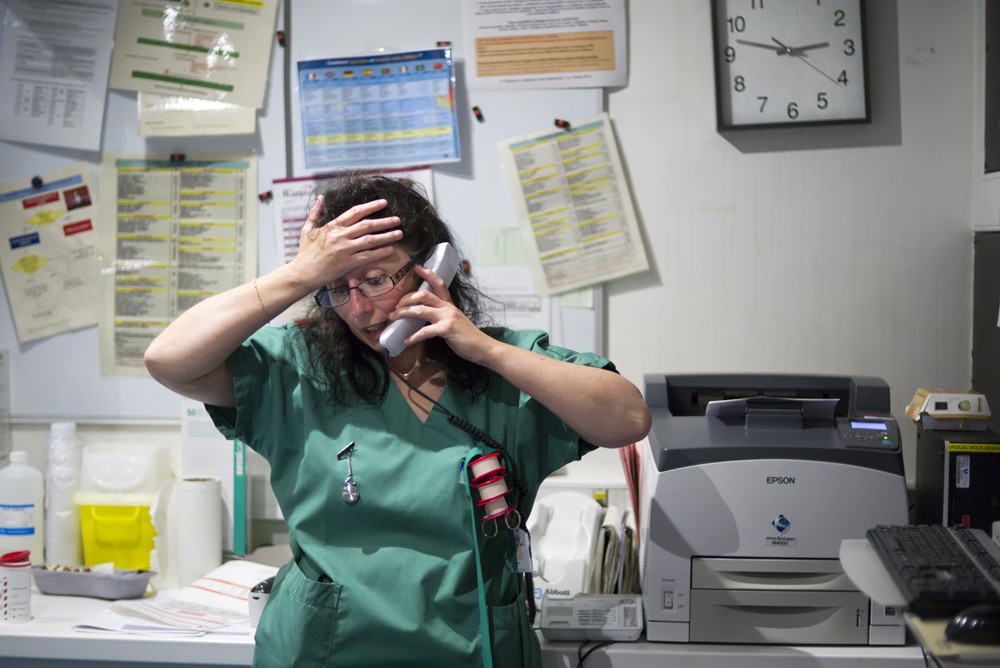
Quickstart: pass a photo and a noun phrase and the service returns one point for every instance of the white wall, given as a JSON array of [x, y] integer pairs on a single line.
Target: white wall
[[841, 260]]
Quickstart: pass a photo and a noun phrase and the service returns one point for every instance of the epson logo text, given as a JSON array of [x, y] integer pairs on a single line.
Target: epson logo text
[[780, 480]]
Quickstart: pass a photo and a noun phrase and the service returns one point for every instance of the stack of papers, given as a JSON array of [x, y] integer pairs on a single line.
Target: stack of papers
[[214, 603], [615, 566]]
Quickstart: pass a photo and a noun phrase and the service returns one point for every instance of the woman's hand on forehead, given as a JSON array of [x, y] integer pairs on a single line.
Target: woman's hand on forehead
[[353, 239]]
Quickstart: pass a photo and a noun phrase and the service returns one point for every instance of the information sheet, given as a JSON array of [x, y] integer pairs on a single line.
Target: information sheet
[[386, 110], [218, 50], [551, 44], [172, 116], [49, 252], [503, 274], [54, 60], [573, 205], [174, 232]]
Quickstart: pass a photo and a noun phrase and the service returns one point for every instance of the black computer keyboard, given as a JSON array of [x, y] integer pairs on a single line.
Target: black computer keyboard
[[939, 570]]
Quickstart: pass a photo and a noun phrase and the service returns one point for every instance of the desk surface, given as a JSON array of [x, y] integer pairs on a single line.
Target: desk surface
[[48, 641]]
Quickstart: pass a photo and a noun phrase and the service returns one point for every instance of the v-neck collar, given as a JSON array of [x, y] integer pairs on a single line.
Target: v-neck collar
[[395, 404]]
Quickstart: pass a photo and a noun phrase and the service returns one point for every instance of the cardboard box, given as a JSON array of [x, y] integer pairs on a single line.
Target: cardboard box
[[949, 409]]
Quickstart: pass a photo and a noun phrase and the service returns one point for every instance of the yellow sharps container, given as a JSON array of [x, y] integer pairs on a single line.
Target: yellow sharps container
[[117, 485]]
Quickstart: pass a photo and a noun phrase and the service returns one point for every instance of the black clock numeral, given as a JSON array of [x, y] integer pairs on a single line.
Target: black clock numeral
[[839, 18], [739, 85], [793, 110], [843, 77], [756, 4], [763, 101], [821, 101], [730, 54], [737, 23], [848, 47]]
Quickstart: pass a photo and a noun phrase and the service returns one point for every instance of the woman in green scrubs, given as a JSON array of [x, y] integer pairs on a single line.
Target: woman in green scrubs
[[394, 562]]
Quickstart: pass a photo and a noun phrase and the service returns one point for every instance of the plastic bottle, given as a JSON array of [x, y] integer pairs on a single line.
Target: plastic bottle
[[62, 481], [22, 514], [15, 587]]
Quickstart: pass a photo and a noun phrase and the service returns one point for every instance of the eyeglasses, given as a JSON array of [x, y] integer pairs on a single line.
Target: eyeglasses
[[375, 286]]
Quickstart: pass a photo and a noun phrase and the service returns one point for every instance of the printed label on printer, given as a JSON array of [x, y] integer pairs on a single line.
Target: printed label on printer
[[974, 447], [962, 471], [779, 541]]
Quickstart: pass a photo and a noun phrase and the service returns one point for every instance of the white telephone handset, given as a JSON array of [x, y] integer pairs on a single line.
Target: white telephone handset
[[443, 262]]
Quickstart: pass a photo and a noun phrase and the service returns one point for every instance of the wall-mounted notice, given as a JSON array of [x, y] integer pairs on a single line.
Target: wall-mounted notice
[[551, 44], [49, 252], [386, 110], [573, 205], [218, 50], [172, 116], [173, 233], [54, 60]]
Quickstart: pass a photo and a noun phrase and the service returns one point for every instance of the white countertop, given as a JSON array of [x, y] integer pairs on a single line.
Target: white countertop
[[49, 640], [50, 635]]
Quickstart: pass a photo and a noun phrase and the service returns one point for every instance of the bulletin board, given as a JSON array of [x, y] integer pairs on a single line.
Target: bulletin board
[[59, 377]]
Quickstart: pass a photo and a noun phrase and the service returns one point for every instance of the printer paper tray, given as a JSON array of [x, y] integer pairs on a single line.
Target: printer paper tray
[[777, 574], [779, 617]]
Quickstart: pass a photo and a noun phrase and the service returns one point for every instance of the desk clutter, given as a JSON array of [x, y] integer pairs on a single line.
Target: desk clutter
[[108, 519]]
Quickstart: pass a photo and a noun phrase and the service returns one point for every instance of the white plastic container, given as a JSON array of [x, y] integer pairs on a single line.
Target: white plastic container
[[15, 587], [22, 513], [62, 481]]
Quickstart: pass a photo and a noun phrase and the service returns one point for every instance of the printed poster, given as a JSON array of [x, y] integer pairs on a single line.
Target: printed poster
[[573, 205], [49, 252], [525, 44], [218, 50], [174, 233], [379, 111], [54, 60]]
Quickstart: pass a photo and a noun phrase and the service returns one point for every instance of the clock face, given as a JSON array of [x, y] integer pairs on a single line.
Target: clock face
[[789, 62]]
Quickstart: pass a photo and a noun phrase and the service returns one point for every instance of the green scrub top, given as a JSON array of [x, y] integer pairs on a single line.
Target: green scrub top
[[390, 580]]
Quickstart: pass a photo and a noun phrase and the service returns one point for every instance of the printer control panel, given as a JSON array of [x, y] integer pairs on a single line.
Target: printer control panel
[[868, 432]]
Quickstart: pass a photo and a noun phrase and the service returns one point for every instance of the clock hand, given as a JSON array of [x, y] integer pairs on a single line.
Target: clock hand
[[799, 49], [763, 46], [793, 52], [783, 51]]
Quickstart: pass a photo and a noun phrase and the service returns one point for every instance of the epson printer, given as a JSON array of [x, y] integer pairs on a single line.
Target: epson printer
[[749, 483]]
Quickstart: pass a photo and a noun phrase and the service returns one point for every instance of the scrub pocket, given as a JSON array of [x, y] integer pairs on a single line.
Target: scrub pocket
[[299, 621], [514, 641]]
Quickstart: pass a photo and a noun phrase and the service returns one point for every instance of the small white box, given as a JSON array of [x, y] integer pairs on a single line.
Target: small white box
[[949, 409]]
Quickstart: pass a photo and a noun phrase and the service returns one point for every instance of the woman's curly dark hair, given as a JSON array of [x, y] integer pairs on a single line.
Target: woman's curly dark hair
[[351, 369]]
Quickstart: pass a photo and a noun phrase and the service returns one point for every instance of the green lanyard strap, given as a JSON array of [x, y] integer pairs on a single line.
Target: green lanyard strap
[[484, 621]]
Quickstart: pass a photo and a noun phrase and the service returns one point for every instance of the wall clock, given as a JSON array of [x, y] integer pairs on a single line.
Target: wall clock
[[790, 62]]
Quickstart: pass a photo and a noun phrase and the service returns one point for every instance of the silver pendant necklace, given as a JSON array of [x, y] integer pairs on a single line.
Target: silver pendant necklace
[[350, 493]]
